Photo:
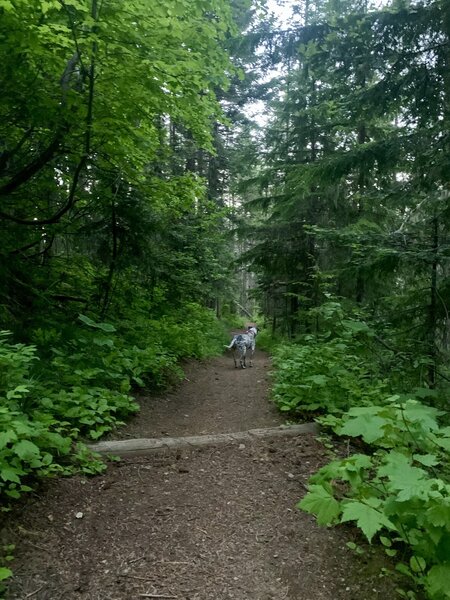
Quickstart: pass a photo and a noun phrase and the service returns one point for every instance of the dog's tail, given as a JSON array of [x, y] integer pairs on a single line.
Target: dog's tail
[[234, 341]]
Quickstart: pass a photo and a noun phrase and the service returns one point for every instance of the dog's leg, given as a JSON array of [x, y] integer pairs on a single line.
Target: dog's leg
[[252, 352], [243, 354], [236, 355]]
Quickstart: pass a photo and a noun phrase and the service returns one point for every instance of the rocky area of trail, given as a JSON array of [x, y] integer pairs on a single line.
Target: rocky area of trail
[[216, 523]]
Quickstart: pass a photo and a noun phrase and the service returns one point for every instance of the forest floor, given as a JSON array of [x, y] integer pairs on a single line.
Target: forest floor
[[215, 523]]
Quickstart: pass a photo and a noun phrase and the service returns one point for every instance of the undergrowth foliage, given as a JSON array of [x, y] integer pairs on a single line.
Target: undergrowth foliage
[[328, 373], [399, 492], [327, 376], [396, 490], [62, 390]]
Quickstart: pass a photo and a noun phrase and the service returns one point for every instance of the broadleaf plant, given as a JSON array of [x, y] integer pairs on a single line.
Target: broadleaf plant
[[399, 493]]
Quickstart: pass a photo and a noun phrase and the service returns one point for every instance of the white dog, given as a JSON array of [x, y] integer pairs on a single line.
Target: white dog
[[241, 344]]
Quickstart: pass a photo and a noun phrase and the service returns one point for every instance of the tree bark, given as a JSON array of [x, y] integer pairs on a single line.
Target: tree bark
[[432, 311]]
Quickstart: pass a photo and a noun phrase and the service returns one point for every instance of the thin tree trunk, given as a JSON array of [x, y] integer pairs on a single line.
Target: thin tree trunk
[[432, 314], [113, 263]]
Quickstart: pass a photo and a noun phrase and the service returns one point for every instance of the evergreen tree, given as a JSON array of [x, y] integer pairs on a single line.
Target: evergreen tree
[[356, 182]]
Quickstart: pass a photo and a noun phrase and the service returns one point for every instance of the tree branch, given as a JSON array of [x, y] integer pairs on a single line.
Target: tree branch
[[27, 247], [6, 155], [33, 167]]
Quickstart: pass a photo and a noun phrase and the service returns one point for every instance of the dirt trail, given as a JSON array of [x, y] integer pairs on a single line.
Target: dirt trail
[[213, 398], [215, 523]]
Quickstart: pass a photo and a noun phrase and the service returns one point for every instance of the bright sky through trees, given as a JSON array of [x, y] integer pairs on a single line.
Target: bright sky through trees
[[282, 9]]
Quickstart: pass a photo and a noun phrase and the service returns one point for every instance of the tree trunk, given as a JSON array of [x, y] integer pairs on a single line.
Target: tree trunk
[[113, 263], [432, 311]]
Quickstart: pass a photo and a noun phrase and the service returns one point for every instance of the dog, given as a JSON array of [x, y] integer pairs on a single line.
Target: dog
[[241, 344]]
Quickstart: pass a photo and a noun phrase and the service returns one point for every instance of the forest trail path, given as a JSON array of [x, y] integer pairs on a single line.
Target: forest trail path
[[213, 398], [210, 523]]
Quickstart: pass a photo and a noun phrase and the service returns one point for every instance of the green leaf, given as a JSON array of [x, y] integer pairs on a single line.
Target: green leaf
[[78, 4], [437, 580], [13, 494], [17, 392], [9, 474], [419, 413], [22, 427], [355, 547], [320, 502], [108, 327], [404, 569], [443, 443], [8, 7], [418, 564], [47, 5], [6, 437], [428, 460], [26, 450], [385, 541], [318, 379], [4, 572], [356, 326], [103, 326], [369, 427], [369, 519], [103, 341], [86, 320], [408, 480]]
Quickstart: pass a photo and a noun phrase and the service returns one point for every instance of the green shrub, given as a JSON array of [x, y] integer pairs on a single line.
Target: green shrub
[[400, 492], [89, 411], [16, 361], [192, 331], [330, 372], [268, 341], [81, 388], [324, 376], [45, 407], [33, 440]]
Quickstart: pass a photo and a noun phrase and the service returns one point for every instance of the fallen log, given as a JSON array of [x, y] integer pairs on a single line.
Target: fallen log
[[142, 446]]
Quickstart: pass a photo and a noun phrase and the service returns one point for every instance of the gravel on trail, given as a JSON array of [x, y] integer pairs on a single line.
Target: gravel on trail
[[215, 523]]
